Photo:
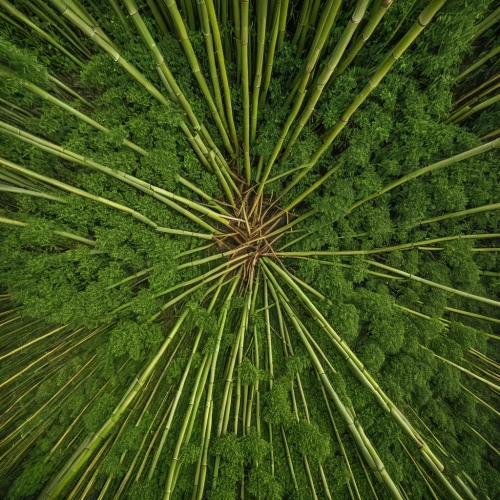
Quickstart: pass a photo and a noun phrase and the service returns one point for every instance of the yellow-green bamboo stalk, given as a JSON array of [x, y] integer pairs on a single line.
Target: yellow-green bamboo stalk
[[301, 23], [435, 166], [378, 12], [195, 67], [25, 20], [478, 88], [433, 284], [478, 107], [403, 246], [69, 90], [245, 87], [467, 106], [486, 23], [180, 388], [119, 15], [271, 48], [262, 7], [37, 194], [492, 53], [209, 43], [355, 429], [160, 194], [328, 18], [223, 74], [423, 20], [78, 460], [315, 93], [50, 17], [77, 191], [101, 42], [491, 135], [462, 213], [366, 379], [282, 23], [5, 71], [64, 234], [472, 315]]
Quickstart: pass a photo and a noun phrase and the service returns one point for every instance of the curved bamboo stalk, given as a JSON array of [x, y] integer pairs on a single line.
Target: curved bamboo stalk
[[37, 194], [79, 192], [271, 48], [403, 246], [195, 67], [5, 71], [367, 380], [328, 18], [462, 213], [355, 429], [160, 194], [378, 12], [478, 107], [245, 88], [69, 91], [262, 7]]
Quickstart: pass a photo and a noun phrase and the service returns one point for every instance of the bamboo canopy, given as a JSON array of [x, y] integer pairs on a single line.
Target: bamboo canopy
[[249, 249]]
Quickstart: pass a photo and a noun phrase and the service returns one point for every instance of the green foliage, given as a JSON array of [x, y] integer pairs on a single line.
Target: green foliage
[[374, 334]]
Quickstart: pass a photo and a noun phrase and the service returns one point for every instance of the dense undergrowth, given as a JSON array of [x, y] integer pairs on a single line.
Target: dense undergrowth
[[272, 340]]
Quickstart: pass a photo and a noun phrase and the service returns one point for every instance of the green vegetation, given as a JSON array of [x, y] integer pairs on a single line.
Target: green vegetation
[[249, 249]]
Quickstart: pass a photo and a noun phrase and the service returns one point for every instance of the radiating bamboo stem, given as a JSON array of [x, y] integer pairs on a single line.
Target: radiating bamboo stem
[[423, 20]]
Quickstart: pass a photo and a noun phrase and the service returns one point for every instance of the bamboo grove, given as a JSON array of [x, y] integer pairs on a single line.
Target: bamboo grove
[[249, 249]]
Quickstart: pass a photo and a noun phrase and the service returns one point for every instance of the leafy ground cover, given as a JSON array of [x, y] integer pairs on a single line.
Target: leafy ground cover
[[249, 249]]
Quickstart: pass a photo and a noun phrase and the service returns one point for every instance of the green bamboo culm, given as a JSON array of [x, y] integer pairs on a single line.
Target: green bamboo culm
[[11, 9], [423, 20]]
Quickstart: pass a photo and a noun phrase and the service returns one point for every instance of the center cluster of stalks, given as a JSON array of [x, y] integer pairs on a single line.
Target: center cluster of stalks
[[256, 226]]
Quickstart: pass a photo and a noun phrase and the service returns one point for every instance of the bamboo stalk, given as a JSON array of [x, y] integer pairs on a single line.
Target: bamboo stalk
[[328, 18], [195, 67], [492, 53], [68, 90], [4, 71], [79, 459], [160, 194], [64, 234], [430, 168], [423, 20], [271, 48], [378, 12], [478, 107], [462, 213], [25, 20], [245, 88], [223, 73], [79, 192], [314, 94], [435, 285], [262, 7], [367, 380]]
